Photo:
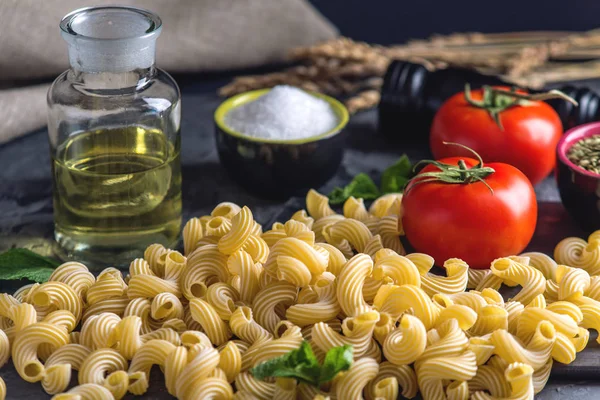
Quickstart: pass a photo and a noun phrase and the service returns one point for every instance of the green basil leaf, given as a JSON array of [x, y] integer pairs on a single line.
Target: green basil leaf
[[300, 363], [396, 176], [337, 359], [25, 264], [337, 196], [362, 186]]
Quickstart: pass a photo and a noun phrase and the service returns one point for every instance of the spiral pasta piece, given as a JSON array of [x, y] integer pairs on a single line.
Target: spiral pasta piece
[[74, 274], [390, 229], [115, 305], [244, 326], [175, 263], [572, 282], [100, 365], [388, 204], [405, 344], [455, 282], [166, 306], [465, 316], [458, 390], [199, 367], [578, 253], [357, 331], [209, 319], [230, 361], [204, 264], [226, 210], [401, 270], [192, 233], [88, 391], [519, 377], [351, 383], [403, 374], [257, 247], [398, 299], [536, 354], [490, 318], [374, 245], [530, 318], [275, 293], [355, 208], [56, 296], [303, 217], [217, 227], [492, 380], [58, 367], [447, 340], [299, 253], [300, 231], [96, 330], [432, 371], [222, 297], [153, 352], [531, 280], [350, 285], [211, 388], [323, 308], [290, 340], [259, 389], [25, 348], [356, 233], [149, 286], [336, 258], [542, 262], [4, 348], [109, 284], [242, 226], [318, 205], [241, 264]]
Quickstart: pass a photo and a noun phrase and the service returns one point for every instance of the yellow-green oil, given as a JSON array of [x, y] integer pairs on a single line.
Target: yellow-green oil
[[116, 191]]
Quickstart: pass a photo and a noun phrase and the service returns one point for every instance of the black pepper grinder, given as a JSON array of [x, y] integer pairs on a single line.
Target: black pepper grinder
[[411, 95]]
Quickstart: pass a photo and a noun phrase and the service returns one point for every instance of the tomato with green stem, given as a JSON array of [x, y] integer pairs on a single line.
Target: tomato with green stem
[[502, 125], [458, 207]]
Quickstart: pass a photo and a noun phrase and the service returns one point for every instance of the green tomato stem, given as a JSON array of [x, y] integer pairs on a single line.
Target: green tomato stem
[[495, 100], [453, 174]]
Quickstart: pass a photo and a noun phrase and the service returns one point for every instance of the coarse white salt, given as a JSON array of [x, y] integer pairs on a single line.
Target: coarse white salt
[[284, 113]]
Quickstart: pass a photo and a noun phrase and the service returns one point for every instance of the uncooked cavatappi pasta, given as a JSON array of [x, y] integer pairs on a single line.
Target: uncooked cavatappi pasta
[[241, 296]]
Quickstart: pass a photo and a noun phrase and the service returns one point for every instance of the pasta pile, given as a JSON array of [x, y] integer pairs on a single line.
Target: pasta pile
[[239, 296]]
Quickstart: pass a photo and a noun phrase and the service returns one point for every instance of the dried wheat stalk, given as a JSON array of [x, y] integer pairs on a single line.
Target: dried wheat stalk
[[353, 70]]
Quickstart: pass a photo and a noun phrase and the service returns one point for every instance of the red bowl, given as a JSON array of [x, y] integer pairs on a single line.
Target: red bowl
[[579, 188]]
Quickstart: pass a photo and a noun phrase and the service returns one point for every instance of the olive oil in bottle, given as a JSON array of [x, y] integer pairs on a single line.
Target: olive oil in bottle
[[116, 191]]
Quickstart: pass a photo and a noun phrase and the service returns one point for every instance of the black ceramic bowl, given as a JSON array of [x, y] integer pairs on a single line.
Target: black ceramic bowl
[[279, 168], [579, 188]]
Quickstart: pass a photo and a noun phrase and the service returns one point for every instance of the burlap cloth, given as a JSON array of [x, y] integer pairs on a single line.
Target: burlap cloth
[[198, 35]]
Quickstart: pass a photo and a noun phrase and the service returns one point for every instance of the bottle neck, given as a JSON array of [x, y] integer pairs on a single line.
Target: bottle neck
[[102, 64], [136, 78]]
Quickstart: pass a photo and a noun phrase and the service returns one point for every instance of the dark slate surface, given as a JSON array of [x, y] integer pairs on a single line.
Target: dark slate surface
[[26, 206]]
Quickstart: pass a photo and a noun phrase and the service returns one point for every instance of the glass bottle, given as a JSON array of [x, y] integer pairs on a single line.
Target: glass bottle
[[113, 126]]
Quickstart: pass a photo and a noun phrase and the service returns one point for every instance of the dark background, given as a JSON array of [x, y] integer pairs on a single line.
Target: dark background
[[395, 21]]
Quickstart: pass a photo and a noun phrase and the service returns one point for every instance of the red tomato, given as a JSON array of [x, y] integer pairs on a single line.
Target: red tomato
[[527, 140], [467, 220]]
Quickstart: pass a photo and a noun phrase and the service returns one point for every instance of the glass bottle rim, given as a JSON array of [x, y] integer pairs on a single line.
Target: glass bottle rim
[[155, 23]]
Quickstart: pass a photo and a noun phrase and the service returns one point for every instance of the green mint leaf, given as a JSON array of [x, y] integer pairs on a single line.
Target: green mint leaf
[[22, 263], [396, 176], [337, 359], [300, 363], [362, 186]]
